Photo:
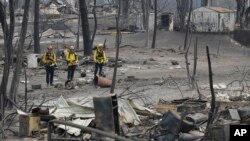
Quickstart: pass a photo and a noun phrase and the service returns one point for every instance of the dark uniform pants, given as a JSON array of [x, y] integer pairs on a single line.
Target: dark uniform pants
[[98, 66], [71, 71], [49, 74]]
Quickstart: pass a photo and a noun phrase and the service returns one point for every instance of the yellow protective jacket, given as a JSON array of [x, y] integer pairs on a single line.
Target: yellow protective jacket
[[49, 59], [99, 57], [71, 58]]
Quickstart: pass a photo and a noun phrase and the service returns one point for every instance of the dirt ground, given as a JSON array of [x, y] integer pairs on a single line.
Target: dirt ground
[[155, 76], [150, 66]]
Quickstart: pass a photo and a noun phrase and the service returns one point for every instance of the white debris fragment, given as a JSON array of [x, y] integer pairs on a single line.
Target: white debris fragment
[[64, 109], [20, 112], [136, 106], [24, 81], [73, 130], [127, 113], [222, 97], [220, 86]]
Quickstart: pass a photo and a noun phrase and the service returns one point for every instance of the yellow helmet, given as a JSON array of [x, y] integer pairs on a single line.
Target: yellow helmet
[[49, 47], [99, 46]]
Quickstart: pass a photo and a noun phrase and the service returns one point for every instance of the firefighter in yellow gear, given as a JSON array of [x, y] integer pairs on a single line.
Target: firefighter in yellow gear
[[72, 60], [99, 58], [49, 60]]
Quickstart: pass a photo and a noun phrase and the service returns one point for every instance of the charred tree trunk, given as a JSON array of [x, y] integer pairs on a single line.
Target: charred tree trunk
[[204, 3], [247, 16], [182, 9], [241, 7], [186, 49], [12, 29], [213, 100], [155, 25], [37, 48], [195, 63], [16, 77], [5, 77], [117, 45], [188, 23], [78, 31], [95, 20], [85, 28], [143, 5], [147, 22], [124, 13]]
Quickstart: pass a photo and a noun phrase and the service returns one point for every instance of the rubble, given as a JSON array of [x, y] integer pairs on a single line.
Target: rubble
[[83, 111], [64, 109], [136, 119], [191, 107], [50, 33], [196, 118], [76, 131], [65, 34]]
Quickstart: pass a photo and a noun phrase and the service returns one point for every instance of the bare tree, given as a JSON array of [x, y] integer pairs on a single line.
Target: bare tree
[[78, 32], [37, 48], [5, 77], [147, 8], [247, 16], [124, 13], [186, 49], [155, 25], [241, 7], [143, 6], [193, 78], [213, 98], [117, 45], [182, 10], [16, 77], [12, 29], [95, 20], [85, 28], [204, 2], [188, 24]]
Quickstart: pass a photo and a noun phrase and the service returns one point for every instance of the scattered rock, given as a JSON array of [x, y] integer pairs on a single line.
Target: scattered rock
[[59, 85], [144, 62], [69, 85], [130, 78], [152, 59], [83, 73], [171, 50], [174, 62], [160, 82], [191, 107], [37, 86], [86, 136]]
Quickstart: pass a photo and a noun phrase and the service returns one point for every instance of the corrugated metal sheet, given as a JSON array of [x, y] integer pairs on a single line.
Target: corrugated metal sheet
[[213, 19], [221, 9]]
